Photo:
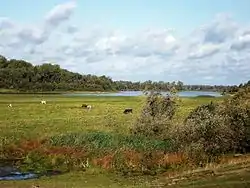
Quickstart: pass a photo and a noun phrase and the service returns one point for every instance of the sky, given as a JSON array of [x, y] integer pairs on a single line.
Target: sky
[[195, 41]]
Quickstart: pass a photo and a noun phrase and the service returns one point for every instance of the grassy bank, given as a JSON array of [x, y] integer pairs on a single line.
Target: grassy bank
[[62, 128]]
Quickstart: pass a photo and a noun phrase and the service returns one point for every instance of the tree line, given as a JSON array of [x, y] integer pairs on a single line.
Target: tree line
[[21, 75], [235, 88]]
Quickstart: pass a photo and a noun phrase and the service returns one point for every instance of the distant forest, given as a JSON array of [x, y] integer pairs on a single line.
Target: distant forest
[[22, 76]]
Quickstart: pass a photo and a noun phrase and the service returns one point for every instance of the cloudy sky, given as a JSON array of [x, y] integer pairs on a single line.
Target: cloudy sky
[[195, 41]]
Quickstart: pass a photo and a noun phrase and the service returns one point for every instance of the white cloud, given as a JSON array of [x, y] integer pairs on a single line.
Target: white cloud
[[242, 43], [215, 53], [220, 30], [5, 23], [60, 13], [205, 50]]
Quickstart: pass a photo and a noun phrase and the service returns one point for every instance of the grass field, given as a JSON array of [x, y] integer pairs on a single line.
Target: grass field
[[64, 115]]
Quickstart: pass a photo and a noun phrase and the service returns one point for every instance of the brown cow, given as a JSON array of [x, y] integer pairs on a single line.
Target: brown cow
[[128, 110]]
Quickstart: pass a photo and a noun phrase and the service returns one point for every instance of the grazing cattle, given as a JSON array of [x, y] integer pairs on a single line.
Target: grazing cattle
[[35, 186], [10, 105], [84, 105], [87, 106], [43, 102], [128, 110]]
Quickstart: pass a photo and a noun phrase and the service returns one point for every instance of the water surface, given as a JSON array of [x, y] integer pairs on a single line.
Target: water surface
[[140, 93], [11, 173]]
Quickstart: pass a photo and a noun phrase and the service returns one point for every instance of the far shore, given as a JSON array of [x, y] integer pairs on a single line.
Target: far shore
[[9, 91], [51, 92]]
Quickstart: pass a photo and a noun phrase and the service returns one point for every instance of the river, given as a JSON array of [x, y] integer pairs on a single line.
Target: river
[[139, 93]]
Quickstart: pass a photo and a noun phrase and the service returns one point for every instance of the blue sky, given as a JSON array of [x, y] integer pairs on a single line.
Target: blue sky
[[196, 41], [183, 15]]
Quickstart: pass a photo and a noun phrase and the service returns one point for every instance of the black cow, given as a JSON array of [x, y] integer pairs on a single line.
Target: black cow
[[84, 106], [128, 110]]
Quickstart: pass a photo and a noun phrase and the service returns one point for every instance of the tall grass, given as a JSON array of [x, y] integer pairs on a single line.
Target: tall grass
[[101, 140]]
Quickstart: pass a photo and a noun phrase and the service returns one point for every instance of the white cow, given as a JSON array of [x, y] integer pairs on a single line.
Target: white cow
[[89, 107], [43, 102], [10, 105]]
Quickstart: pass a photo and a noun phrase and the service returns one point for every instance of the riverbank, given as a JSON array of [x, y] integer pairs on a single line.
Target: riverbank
[[231, 175]]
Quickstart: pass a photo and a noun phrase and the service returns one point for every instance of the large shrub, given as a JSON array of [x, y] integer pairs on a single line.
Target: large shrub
[[204, 133], [155, 118], [216, 128], [236, 112]]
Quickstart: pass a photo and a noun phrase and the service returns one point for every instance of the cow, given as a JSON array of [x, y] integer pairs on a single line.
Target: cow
[[84, 105], [128, 110], [10, 105], [43, 102], [87, 106]]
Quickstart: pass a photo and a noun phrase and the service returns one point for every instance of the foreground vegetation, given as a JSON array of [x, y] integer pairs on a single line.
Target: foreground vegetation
[[156, 139], [226, 176]]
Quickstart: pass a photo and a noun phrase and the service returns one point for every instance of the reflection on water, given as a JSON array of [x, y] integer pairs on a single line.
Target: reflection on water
[[11, 173], [19, 176], [139, 93]]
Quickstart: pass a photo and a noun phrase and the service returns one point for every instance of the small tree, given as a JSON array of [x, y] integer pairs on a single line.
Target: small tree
[[156, 115]]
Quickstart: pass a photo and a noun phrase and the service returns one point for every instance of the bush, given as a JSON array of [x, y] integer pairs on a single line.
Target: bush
[[236, 112], [204, 133], [156, 116], [216, 128]]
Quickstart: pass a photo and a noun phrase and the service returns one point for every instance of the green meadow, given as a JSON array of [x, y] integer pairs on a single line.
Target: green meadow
[[104, 129], [30, 119]]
